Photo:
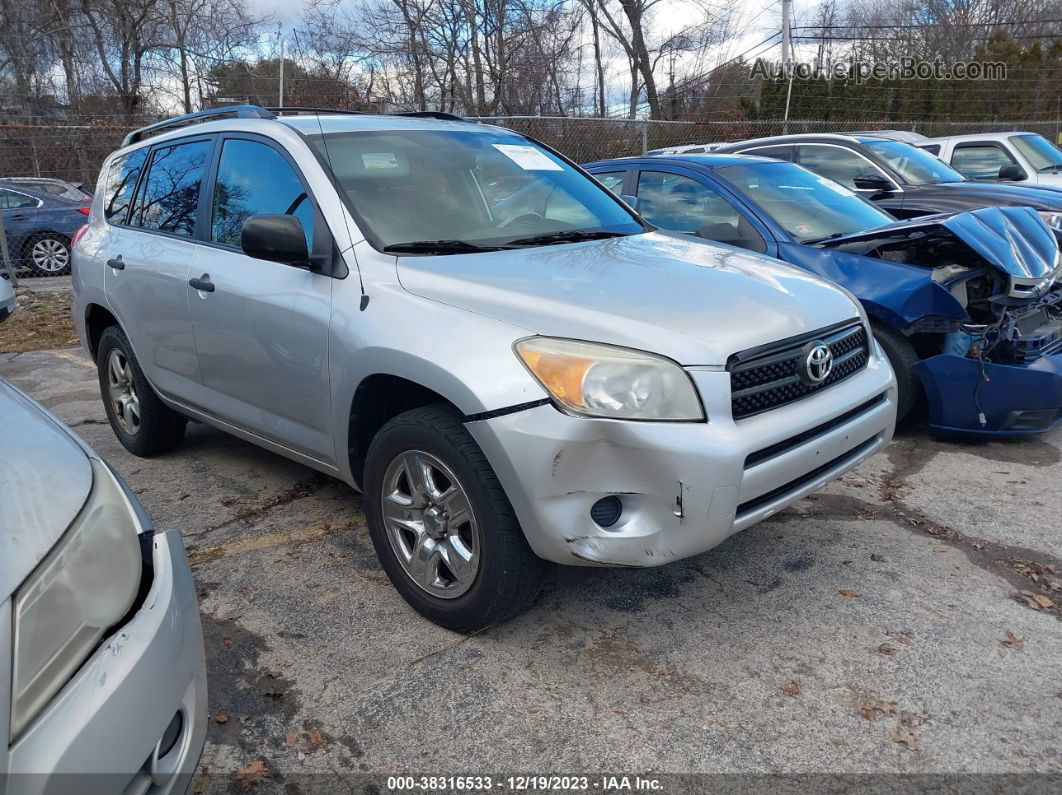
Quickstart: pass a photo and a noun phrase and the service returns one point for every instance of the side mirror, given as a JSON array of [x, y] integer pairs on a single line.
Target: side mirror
[[1011, 172], [276, 238], [631, 201], [872, 181]]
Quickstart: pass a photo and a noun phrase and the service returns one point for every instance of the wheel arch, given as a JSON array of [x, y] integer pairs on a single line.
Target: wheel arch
[[97, 319]]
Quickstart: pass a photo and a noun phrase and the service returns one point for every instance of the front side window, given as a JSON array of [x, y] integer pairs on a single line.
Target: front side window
[[169, 198], [809, 207], [255, 179], [13, 200], [839, 164], [1042, 155], [682, 204], [981, 161], [120, 183], [471, 189], [613, 180], [915, 165]]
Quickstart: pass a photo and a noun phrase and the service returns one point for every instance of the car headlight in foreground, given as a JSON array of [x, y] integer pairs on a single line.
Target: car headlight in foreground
[[85, 585], [597, 380]]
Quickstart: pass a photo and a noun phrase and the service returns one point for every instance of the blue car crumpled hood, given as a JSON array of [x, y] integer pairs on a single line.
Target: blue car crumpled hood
[[1016, 240]]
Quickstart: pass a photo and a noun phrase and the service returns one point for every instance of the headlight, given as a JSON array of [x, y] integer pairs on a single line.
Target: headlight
[[83, 587], [1052, 219], [605, 381]]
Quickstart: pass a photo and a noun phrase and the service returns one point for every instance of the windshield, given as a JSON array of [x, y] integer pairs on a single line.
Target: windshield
[[807, 206], [444, 191], [915, 165], [1041, 153]]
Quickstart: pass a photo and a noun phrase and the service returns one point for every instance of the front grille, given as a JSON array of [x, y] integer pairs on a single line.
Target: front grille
[[765, 378]]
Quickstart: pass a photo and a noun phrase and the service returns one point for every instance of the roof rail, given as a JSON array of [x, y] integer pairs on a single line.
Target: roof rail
[[298, 109], [429, 114], [240, 111]]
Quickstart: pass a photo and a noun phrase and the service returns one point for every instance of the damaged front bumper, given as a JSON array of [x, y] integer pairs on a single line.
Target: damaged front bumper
[[683, 487], [1012, 399]]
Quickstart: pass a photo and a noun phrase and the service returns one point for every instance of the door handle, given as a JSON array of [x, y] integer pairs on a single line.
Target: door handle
[[116, 263], [202, 283], [20, 217]]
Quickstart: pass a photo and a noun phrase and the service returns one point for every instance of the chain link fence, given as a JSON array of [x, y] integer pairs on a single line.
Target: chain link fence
[[73, 151]]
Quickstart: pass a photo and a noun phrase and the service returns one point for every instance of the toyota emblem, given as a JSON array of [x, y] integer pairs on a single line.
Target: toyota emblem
[[818, 362]]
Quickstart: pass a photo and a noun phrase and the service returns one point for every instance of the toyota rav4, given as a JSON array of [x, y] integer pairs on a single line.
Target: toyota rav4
[[511, 366]]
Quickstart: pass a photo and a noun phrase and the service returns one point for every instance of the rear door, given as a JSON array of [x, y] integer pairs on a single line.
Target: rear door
[[149, 253], [261, 332]]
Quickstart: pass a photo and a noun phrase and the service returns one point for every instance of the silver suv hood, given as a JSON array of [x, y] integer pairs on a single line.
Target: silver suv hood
[[45, 478], [693, 301]]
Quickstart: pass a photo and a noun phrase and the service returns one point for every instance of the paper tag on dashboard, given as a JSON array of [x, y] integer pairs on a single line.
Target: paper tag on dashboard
[[377, 160], [528, 158]]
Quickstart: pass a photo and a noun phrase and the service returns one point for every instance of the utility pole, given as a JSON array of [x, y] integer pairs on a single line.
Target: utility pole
[[787, 59], [280, 90]]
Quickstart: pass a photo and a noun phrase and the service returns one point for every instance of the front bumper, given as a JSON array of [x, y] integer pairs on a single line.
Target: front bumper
[[102, 731], [684, 487], [1015, 399]]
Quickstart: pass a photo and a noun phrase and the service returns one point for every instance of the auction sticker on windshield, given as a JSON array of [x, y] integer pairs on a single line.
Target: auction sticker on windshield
[[527, 157]]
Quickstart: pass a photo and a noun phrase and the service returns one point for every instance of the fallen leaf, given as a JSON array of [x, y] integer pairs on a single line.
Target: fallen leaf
[[905, 735], [1013, 641], [227, 642], [846, 562], [314, 738], [886, 649], [292, 739], [792, 688], [222, 718], [900, 637], [871, 709], [848, 592], [252, 773], [877, 558], [1043, 601]]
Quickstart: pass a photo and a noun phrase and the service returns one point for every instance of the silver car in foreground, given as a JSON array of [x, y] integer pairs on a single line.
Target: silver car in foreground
[[510, 364], [102, 668]]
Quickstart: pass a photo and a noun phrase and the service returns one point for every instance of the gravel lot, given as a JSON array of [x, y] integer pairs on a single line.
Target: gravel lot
[[903, 620]]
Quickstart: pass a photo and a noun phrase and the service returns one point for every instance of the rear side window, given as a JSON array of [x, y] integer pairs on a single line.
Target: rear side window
[[255, 179], [121, 180], [13, 200], [169, 198], [777, 152]]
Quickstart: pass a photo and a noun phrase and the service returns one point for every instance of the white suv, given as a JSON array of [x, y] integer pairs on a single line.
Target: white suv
[[1005, 157], [509, 363]]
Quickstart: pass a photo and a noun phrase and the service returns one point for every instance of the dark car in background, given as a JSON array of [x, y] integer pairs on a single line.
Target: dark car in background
[[39, 229], [904, 180], [965, 305]]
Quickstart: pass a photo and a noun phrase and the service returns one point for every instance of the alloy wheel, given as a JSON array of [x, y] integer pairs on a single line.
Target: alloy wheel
[[122, 392], [431, 525], [50, 255]]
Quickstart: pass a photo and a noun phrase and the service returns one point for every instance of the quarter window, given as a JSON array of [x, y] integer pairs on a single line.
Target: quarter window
[[980, 161], [776, 152], [12, 200], [169, 199], [255, 179], [121, 181], [613, 180], [839, 164]]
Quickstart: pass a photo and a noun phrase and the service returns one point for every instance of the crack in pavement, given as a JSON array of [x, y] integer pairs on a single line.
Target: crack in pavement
[[1031, 572], [302, 489]]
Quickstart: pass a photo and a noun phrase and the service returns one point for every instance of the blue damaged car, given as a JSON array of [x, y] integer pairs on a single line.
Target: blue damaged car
[[965, 305]]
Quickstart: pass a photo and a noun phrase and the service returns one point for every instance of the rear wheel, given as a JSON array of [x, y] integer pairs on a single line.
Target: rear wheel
[[902, 357], [143, 424], [47, 254], [442, 526]]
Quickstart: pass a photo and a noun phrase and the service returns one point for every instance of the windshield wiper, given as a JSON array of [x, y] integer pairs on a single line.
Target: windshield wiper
[[438, 247], [1052, 167], [811, 241], [569, 236]]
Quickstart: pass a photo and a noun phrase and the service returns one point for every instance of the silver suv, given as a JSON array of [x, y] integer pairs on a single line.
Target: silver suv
[[511, 366]]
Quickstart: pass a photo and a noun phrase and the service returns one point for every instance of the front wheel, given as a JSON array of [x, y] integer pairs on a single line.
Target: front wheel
[[442, 527], [903, 358]]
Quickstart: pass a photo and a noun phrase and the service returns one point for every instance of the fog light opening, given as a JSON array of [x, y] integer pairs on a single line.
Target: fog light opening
[[606, 511], [171, 735]]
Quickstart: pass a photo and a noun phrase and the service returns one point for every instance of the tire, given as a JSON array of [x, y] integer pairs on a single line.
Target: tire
[[505, 575], [47, 254], [902, 357], [144, 425]]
